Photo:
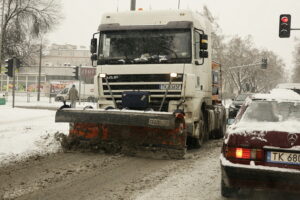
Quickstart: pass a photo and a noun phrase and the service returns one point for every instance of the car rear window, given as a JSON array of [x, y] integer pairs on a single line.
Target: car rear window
[[271, 111]]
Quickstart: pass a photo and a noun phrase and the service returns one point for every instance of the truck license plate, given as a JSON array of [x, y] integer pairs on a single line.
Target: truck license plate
[[172, 87], [283, 157]]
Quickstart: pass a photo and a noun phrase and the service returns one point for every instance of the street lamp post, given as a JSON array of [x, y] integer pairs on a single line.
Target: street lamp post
[[40, 71]]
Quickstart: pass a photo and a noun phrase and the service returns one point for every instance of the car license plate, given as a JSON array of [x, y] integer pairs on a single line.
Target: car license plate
[[283, 157], [172, 87]]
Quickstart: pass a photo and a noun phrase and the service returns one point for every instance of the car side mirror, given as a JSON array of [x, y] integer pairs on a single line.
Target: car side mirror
[[93, 47], [230, 121]]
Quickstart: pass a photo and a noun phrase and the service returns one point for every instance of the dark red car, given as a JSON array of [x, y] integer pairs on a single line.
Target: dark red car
[[261, 148]]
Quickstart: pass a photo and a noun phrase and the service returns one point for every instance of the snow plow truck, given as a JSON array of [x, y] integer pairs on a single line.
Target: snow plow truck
[[154, 84]]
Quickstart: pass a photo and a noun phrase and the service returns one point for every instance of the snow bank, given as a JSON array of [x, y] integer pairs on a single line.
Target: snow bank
[[26, 132]]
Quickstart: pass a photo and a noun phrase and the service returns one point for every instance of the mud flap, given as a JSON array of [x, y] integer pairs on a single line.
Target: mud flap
[[129, 132]]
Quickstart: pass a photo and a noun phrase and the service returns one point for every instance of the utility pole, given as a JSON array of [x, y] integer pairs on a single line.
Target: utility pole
[[1, 38], [14, 80], [132, 5], [178, 4], [40, 71]]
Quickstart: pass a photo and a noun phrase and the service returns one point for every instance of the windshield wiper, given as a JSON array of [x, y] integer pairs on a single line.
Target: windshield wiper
[[114, 61]]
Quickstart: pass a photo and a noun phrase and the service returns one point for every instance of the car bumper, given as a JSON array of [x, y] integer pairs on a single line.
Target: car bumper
[[259, 177]]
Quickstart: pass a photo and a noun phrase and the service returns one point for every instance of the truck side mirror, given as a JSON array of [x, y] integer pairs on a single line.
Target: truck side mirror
[[94, 57], [203, 54], [203, 46], [93, 47], [203, 42]]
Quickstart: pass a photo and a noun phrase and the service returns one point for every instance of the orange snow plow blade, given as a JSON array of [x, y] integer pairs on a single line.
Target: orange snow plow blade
[[135, 133]]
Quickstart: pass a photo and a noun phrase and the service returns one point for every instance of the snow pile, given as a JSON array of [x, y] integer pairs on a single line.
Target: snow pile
[[25, 133], [44, 102]]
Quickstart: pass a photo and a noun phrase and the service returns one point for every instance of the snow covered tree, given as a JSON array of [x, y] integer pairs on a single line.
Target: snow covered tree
[[24, 22], [296, 55]]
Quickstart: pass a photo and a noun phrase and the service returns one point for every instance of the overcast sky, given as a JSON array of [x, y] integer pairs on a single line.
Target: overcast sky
[[259, 18]]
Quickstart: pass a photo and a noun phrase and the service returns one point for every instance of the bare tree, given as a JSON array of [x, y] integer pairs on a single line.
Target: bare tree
[[24, 22]]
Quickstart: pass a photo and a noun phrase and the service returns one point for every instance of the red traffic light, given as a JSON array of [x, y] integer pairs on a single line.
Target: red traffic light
[[284, 19], [285, 25]]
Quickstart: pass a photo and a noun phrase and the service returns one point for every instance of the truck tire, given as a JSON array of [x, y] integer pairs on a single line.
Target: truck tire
[[221, 131], [228, 191]]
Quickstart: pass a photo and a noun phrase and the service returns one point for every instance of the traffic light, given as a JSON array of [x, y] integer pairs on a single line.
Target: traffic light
[[18, 63], [284, 25], [9, 67], [264, 63], [76, 73]]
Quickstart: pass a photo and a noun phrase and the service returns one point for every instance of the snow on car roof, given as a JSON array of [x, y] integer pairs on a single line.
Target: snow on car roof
[[278, 95], [288, 86]]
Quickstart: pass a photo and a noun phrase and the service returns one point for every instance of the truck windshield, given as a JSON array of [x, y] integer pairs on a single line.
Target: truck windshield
[[145, 46]]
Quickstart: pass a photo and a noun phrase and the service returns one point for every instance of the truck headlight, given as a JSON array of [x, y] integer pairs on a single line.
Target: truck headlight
[[173, 75], [102, 75]]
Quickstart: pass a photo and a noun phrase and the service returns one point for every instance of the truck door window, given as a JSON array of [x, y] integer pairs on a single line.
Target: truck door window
[[197, 43]]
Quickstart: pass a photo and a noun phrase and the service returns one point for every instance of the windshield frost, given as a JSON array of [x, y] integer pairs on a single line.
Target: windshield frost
[[145, 46], [267, 111]]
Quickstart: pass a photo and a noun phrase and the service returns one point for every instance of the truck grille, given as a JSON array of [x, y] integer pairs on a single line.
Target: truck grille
[[156, 84]]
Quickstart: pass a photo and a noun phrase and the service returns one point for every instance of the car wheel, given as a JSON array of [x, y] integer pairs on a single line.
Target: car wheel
[[59, 99], [227, 191]]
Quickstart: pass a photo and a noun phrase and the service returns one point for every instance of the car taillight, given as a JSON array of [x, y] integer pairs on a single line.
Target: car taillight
[[244, 153]]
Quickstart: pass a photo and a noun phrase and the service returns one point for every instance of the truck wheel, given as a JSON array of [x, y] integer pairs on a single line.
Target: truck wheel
[[202, 132], [228, 191], [221, 131]]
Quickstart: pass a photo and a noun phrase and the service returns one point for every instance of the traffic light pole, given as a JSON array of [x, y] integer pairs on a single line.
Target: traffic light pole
[[249, 65], [79, 90], [14, 81]]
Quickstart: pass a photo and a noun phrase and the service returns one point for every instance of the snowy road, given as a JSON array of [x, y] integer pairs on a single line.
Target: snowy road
[[100, 176], [32, 166]]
